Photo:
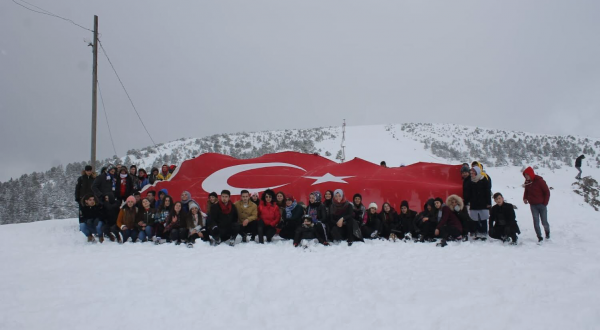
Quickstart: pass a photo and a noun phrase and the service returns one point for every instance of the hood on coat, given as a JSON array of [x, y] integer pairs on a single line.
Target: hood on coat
[[458, 200], [529, 171]]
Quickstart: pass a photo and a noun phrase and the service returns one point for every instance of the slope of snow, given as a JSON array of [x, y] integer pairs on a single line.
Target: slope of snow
[[52, 279]]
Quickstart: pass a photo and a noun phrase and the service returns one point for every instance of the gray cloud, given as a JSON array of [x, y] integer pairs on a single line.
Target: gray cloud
[[217, 67]]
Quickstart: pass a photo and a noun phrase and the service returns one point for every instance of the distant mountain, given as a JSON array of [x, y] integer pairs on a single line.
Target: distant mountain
[[50, 195]]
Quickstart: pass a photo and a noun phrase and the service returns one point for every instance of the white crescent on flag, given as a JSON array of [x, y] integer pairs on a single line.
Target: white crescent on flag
[[218, 180]]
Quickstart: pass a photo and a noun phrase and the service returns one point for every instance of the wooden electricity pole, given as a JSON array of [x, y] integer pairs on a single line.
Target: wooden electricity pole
[[94, 92]]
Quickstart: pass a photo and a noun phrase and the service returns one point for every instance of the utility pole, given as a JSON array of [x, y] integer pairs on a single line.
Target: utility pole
[[343, 141], [94, 92]]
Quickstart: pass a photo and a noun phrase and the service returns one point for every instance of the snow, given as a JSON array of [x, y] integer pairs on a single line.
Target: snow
[[52, 279]]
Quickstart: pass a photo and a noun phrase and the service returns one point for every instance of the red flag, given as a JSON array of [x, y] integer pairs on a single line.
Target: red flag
[[300, 174]]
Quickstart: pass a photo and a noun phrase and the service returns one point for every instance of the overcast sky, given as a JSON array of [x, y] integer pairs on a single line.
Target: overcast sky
[[195, 68]]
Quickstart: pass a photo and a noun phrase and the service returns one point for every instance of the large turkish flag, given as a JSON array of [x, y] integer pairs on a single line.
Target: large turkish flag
[[300, 174]]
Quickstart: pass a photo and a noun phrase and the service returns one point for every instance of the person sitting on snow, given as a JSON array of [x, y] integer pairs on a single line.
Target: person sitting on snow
[[448, 225], [127, 219], [309, 231], [91, 220], [223, 220], [342, 221], [456, 204], [426, 222], [389, 220], [503, 221], [292, 218], [247, 215], [371, 224], [406, 223]]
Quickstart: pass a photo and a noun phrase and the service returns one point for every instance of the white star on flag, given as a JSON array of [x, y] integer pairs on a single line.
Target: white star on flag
[[328, 178]]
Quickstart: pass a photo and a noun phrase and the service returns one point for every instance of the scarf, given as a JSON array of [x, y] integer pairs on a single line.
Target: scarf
[[288, 210], [338, 208], [313, 210], [483, 174], [225, 208]]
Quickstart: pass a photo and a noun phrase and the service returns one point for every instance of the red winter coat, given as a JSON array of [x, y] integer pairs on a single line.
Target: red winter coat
[[449, 219], [536, 190], [269, 213]]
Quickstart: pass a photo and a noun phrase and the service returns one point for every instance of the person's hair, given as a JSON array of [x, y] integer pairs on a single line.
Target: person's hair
[[162, 203], [151, 192], [245, 192], [133, 166], [137, 193], [496, 195], [225, 192]]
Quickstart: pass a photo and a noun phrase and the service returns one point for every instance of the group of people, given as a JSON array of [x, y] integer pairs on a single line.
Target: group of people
[[111, 206]]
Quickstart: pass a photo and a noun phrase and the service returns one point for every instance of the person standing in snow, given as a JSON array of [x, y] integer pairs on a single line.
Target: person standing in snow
[[537, 195], [133, 173], [503, 221], [124, 185], [143, 181], [247, 215], [465, 173], [84, 184], [480, 200], [578, 166]]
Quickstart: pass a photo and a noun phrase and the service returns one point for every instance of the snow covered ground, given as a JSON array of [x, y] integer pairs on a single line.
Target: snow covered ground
[[52, 279]]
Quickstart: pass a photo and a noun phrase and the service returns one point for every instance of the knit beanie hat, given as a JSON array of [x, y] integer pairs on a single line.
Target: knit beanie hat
[[130, 198], [88, 167], [192, 205], [465, 168], [338, 191], [404, 203], [373, 205]]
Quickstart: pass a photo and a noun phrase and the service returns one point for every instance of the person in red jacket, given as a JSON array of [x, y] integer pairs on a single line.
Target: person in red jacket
[[537, 195], [268, 217]]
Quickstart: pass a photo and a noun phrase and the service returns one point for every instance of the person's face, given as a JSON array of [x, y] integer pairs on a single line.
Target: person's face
[[527, 177], [428, 207], [130, 203], [119, 166], [137, 198], [288, 202], [327, 195], [112, 171], [465, 174], [155, 172], [437, 204], [167, 201], [404, 209], [245, 198], [194, 210], [177, 207], [357, 200], [373, 210], [150, 197], [106, 198], [307, 222], [212, 199], [312, 198], [132, 171], [165, 169], [224, 198], [499, 200], [254, 197], [268, 198], [453, 203], [386, 207], [161, 195], [338, 197], [279, 197], [91, 201], [146, 203], [184, 197], [88, 172], [473, 173]]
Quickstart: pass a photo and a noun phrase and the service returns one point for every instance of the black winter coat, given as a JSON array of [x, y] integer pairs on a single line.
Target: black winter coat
[[84, 186], [578, 161], [146, 216], [220, 219], [103, 185], [92, 212], [111, 210], [480, 194], [128, 187], [321, 211], [346, 212], [407, 221]]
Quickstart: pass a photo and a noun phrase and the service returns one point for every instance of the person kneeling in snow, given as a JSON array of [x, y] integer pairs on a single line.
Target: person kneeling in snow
[[448, 225], [503, 221], [90, 221], [309, 231], [456, 204]]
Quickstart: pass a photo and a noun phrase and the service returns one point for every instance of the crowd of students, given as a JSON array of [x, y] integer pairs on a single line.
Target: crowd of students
[[111, 206]]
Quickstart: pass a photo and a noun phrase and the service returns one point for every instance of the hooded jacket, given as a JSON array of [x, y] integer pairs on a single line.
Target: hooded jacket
[[578, 160], [84, 185], [536, 189], [103, 185], [449, 219]]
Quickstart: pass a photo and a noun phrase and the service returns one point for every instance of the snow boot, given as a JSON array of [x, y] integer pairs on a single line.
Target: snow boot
[[374, 234], [101, 238], [190, 245], [442, 243], [91, 239]]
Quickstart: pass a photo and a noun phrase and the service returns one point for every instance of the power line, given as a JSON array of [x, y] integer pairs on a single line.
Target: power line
[[129, 97], [46, 12], [106, 116]]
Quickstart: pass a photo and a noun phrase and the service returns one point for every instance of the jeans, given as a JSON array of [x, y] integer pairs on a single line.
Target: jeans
[[481, 225], [537, 211], [145, 234], [578, 174], [91, 226], [129, 233]]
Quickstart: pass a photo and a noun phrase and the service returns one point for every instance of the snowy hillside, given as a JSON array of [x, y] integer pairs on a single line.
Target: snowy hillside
[[52, 279], [51, 193]]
